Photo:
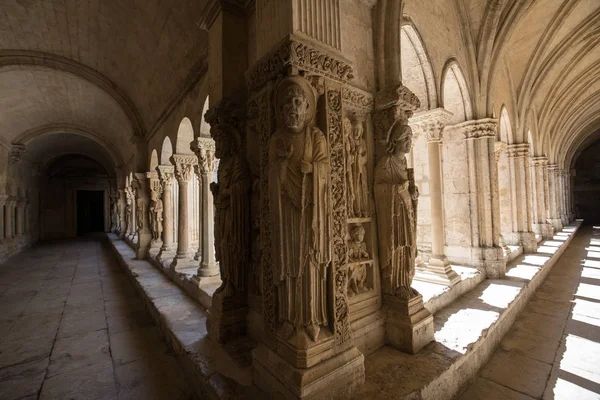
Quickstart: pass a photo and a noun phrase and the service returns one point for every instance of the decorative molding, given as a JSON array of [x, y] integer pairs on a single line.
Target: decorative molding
[[398, 97], [539, 161], [293, 51], [165, 175], [518, 150], [356, 99], [183, 164]]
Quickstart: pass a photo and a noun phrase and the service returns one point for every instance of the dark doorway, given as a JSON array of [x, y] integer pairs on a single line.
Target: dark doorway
[[90, 211]]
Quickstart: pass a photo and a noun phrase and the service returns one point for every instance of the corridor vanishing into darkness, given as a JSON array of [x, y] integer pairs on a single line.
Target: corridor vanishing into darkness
[[553, 349], [73, 327]]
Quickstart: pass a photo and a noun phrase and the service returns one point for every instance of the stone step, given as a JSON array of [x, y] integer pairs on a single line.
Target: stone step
[[467, 332]]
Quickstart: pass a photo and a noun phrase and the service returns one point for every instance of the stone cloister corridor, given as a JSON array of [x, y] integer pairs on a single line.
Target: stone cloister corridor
[[299, 199]]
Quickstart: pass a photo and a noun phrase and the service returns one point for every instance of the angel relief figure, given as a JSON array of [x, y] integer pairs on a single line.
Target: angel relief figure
[[299, 203], [396, 200]]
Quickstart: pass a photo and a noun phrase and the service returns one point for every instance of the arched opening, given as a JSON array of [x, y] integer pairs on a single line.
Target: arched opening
[[165, 159], [153, 160], [587, 184], [455, 93], [417, 73]]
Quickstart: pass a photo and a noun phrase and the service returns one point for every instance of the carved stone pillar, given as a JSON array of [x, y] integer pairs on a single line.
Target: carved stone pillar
[[204, 148], [3, 199], [141, 215], [438, 269], [540, 200], [121, 211], [296, 103], [472, 197], [184, 164], [165, 174], [563, 193], [522, 234], [155, 213], [20, 208], [553, 201], [9, 219]]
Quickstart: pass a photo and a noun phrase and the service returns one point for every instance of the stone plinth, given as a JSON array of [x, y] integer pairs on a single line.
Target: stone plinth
[[335, 378], [227, 316], [409, 324]]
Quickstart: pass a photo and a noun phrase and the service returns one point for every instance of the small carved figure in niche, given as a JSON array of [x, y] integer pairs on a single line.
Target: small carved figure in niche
[[359, 174], [298, 185], [357, 281], [357, 248], [232, 208], [156, 215], [139, 213], [118, 206], [396, 200], [128, 225], [350, 162]]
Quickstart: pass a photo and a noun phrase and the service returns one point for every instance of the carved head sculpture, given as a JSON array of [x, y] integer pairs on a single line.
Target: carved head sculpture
[[227, 140], [358, 130], [347, 125], [399, 139], [295, 104], [358, 234]]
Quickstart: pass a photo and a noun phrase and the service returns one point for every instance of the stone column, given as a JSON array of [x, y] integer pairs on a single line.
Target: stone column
[[204, 148], [540, 200], [9, 219], [473, 208], [19, 217], [121, 209], [438, 269], [184, 164], [563, 194], [165, 175], [3, 199], [553, 201], [141, 215], [522, 234]]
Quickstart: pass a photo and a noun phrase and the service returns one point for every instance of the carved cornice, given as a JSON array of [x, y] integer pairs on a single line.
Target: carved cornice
[[356, 99], [518, 150], [304, 55], [211, 10], [552, 167], [204, 148], [475, 129], [16, 153], [430, 123], [184, 164]]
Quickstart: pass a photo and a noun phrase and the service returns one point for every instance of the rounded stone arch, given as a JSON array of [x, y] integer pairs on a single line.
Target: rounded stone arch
[[166, 152], [185, 136], [153, 160], [417, 73], [205, 126], [505, 132], [455, 93]]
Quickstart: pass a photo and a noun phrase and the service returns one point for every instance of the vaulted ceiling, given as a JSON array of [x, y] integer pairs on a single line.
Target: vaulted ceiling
[[112, 68]]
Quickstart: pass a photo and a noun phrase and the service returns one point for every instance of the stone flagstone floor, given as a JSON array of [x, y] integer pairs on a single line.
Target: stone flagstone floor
[[553, 349], [72, 327]]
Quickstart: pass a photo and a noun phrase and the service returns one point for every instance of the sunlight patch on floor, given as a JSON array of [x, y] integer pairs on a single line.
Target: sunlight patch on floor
[[464, 328], [523, 271]]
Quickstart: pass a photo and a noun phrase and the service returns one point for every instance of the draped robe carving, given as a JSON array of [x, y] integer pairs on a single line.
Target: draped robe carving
[[396, 196], [299, 203]]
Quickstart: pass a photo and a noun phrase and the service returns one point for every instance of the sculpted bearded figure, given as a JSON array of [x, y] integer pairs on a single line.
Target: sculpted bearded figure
[[299, 203], [396, 197], [232, 208], [156, 215]]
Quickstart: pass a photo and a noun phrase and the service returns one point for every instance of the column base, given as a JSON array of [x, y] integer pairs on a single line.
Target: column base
[[207, 271], [180, 264], [226, 319], [564, 219], [143, 245], [154, 250], [409, 325], [437, 271], [335, 378], [493, 262], [556, 224], [206, 280], [525, 239], [545, 230], [490, 260]]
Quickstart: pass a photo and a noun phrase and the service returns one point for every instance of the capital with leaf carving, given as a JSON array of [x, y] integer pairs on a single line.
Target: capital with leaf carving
[[431, 123], [204, 148], [184, 164]]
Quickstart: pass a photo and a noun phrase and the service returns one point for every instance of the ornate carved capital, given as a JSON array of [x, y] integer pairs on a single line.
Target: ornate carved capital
[[539, 161], [304, 55], [431, 123], [398, 97], [183, 164], [16, 153], [165, 176], [204, 148], [475, 129], [518, 150], [155, 185]]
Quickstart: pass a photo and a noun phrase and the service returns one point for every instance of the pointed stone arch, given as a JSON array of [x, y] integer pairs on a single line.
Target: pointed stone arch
[[153, 160], [166, 152], [417, 73], [185, 135], [204, 126], [455, 93]]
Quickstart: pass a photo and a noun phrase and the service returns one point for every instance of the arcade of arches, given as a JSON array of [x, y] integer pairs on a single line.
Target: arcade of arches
[[312, 198]]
